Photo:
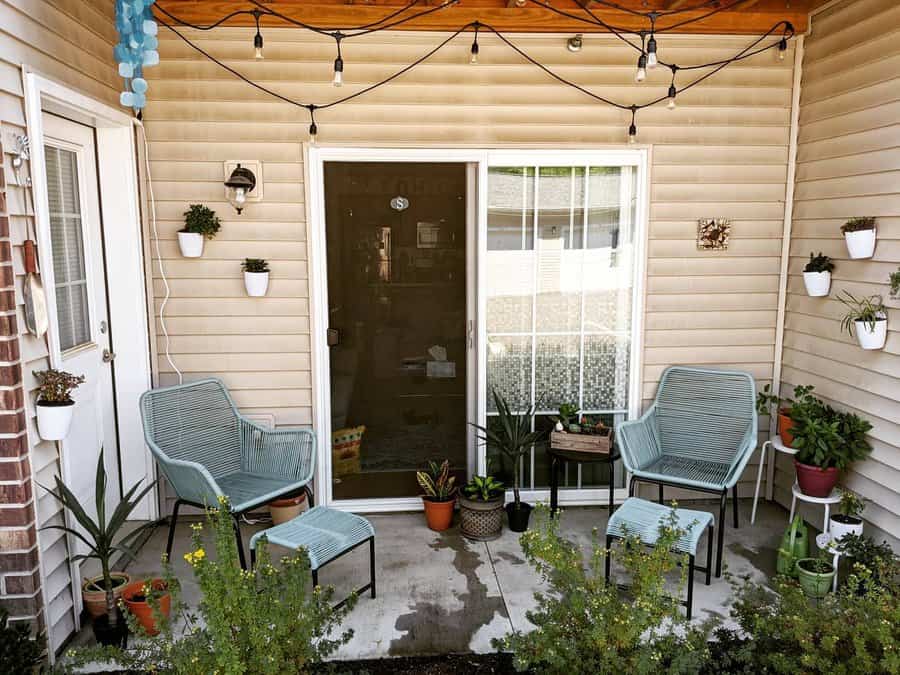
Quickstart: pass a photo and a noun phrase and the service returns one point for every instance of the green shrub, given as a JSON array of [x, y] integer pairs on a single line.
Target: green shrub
[[19, 653], [201, 219], [584, 626]]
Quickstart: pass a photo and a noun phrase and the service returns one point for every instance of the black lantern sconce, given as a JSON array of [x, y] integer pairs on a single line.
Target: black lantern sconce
[[238, 185]]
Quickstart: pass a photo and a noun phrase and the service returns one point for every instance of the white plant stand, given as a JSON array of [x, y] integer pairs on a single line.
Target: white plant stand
[[826, 543], [833, 498], [776, 444]]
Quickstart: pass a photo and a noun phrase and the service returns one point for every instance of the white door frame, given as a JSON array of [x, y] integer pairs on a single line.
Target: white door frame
[[122, 241], [481, 158]]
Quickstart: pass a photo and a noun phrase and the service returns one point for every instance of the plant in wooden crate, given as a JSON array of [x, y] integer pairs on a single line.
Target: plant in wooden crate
[[817, 275], [256, 276], [481, 508], [568, 418], [867, 318], [440, 494], [55, 405], [859, 235], [848, 520], [200, 222]]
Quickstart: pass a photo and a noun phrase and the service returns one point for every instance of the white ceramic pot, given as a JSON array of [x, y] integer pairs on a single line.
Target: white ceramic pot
[[861, 243], [54, 420], [817, 283], [256, 283], [839, 530], [191, 244], [870, 338]]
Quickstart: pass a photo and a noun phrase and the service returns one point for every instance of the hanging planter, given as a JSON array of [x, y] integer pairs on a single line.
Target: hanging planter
[[55, 406], [256, 276], [859, 234], [866, 318], [200, 222], [817, 275]]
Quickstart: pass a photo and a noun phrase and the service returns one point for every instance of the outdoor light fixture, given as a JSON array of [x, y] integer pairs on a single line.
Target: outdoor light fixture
[[238, 185], [641, 73], [651, 52], [258, 38], [338, 79], [574, 44], [782, 48], [473, 58], [672, 91]]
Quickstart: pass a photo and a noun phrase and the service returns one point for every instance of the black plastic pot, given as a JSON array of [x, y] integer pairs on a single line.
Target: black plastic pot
[[113, 636], [518, 517]]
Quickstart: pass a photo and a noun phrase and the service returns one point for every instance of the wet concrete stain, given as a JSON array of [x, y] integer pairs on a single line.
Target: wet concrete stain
[[508, 557], [430, 628], [761, 559]]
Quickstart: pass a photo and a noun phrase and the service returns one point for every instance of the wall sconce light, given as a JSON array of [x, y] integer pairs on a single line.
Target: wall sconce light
[[238, 186]]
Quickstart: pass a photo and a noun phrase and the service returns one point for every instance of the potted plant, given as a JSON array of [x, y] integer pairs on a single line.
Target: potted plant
[[256, 276], [101, 537], [511, 435], [848, 520], [879, 559], [817, 275], [200, 222], [827, 442], [440, 494], [768, 403], [816, 576], [55, 405], [894, 280], [859, 234], [287, 508], [867, 318], [140, 597], [568, 418], [481, 508]]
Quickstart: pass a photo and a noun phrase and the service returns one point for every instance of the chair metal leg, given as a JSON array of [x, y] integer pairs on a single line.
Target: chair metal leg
[[310, 498], [173, 519], [709, 548], [690, 587], [631, 483], [372, 564], [608, 555], [315, 578], [660, 493], [723, 499], [235, 518], [252, 558], [734, 499]]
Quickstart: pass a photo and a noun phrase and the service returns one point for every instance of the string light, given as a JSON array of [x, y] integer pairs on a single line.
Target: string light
[[258, 38], [782, 48], [313, 129], [338, 78], [672, 90], [632, 128], [641, 73], [473, 58]]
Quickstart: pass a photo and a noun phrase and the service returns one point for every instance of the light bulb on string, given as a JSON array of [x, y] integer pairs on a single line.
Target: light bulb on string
[[338, 79], [782, 49], [258, 38], [313, 129], [672, 90], [473, 52], [641, 74], [652, 60], [632, 128]]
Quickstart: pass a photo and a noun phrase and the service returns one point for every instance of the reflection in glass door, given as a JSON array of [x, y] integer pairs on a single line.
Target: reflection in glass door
[[560, 290], [396, 256]]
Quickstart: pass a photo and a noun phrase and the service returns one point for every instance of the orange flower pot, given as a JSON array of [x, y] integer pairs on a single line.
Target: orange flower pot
[[134, 599], [439, 515], [785, 424]]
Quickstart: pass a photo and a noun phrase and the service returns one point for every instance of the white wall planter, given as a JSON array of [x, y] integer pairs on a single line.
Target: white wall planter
[[861, 243], [54, 420], [869, 337], [191, 244], [838, 530], [256, 283], [817, 283]]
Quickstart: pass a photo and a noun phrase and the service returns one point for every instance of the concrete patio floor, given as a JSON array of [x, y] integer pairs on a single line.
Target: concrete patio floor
[[440, 593]]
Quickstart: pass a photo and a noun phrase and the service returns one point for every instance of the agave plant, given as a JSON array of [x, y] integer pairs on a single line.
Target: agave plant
[[437, 483], [102, 535]]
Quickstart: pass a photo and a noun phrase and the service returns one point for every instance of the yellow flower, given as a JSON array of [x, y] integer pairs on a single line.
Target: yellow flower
[[195, 557]]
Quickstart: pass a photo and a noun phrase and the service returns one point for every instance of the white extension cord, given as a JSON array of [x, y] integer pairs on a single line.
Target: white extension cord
[[159, 258]]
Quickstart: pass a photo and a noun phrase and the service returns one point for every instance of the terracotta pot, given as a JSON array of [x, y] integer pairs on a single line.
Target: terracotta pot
[[95, 599], [785, 424], [439, 515], [283, 510], [816, 482], [141, 609]]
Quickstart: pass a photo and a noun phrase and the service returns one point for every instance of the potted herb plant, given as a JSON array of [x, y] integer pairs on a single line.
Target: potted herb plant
[[816, 576], [200, 222], [54, 406], [140, 597], [848, 520], [867, 318], [102, 537], [256, 276], [817, 275], [511, 435], [440, 494], [859, 234], [481, 508], [768, 403]]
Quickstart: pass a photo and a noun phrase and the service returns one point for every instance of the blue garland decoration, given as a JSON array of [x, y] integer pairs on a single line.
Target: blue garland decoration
[[137, 48]]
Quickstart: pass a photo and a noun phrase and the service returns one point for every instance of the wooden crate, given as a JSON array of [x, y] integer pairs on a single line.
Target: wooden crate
[[599, 443]]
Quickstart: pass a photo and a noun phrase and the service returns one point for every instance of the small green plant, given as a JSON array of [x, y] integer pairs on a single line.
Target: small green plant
[[568, 414], [437, 483], [201, 219], [255, 265], [819, 263], [768, 403], [55, 387], [878, 561], [851, 504], [19, 652], [484, 488], [819, 565], [857, 224], [894, 280], [868, 310], [826, 437]]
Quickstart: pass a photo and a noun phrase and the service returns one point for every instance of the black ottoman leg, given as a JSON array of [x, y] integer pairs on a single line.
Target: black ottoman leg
[[690, 588], [372, 564], [608, 555]]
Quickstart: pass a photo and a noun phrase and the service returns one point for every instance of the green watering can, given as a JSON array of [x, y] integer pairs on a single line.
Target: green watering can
[[794, 546]]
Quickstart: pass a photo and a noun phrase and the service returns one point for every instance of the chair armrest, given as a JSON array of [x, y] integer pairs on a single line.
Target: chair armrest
[[191, 481], [748, 445], [638, 440], [280, 453]]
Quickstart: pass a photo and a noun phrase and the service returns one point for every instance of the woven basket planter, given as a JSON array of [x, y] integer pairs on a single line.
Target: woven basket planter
[[480, 520]]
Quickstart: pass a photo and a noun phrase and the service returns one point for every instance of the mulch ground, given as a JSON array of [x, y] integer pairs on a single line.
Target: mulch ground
[[448, 664]]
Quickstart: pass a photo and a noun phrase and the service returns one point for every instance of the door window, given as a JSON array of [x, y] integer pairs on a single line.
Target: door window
[[67, 239]]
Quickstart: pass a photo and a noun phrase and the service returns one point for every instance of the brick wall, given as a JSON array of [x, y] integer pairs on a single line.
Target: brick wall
[[20, 579]]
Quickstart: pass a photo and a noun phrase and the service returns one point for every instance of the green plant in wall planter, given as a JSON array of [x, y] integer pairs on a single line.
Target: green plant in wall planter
[[200, 222], [55, 406], [866, 318], [817, 275], [859, 235], [256, 276], [894, 280], [847, 520]]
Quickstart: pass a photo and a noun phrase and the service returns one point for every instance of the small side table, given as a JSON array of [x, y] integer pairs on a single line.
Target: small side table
[[558, 457], [833, 498], [775, 443]]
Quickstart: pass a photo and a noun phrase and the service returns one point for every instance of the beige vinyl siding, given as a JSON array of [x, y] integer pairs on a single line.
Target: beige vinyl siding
[[722, 153], [848, 164], [69, 41]]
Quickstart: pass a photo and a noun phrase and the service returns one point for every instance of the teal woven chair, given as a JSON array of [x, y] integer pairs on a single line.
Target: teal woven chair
[[207, 450], [699, 434]]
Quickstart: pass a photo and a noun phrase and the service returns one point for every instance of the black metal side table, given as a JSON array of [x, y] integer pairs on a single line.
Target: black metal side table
[[558, 457]]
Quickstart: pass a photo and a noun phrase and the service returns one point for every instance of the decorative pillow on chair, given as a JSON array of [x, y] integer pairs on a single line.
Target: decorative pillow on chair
[[345, 444]]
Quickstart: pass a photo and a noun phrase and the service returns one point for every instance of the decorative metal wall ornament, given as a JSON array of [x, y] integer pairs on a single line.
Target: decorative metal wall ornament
[[713, 234]]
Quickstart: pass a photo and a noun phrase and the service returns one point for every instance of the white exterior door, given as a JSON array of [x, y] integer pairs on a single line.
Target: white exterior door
[[75, 284]]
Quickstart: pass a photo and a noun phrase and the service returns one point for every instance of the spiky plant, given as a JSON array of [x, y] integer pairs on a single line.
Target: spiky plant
[[437, 483]]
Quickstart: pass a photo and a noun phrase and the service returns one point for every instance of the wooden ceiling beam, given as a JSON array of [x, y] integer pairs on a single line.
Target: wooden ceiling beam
[[504, 15]]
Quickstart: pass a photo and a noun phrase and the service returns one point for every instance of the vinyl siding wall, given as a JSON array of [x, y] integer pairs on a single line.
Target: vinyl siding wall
[[71, 42], [722, 153], [848, 164]]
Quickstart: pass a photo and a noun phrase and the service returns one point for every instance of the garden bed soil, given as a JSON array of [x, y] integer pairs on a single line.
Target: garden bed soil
[[447, 664]]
